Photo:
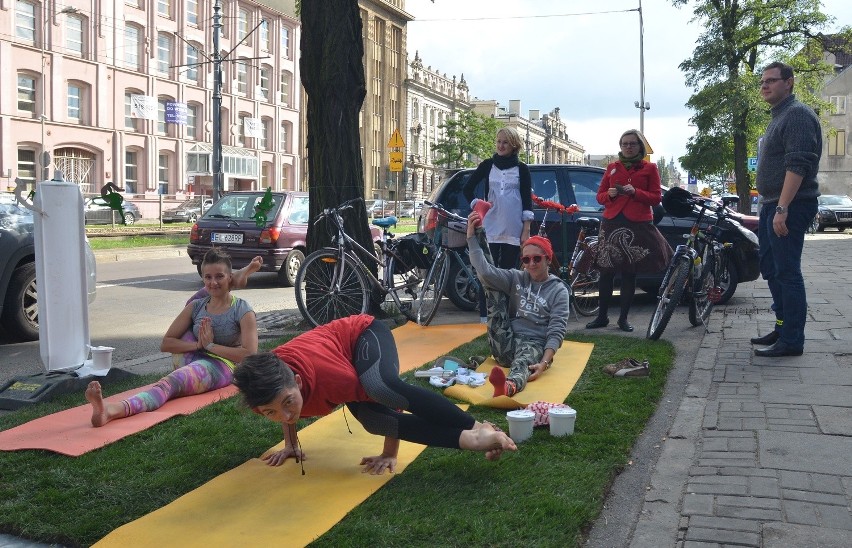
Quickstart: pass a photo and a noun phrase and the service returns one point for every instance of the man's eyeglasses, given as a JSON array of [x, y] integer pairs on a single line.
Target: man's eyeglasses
[[770, 81], [630, 144], [534, 258]]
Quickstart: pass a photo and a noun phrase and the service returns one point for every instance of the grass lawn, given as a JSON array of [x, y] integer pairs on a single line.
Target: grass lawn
[[546, 494]]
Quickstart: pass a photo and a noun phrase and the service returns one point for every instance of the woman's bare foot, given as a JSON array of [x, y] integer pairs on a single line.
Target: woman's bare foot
[[102, 412], [488, 439], [241, 276]]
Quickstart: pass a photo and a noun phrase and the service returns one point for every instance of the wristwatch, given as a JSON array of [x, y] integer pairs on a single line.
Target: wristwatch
[[781, 210]]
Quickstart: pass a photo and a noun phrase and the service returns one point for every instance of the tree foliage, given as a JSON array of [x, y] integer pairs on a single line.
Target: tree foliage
[[466, 141], [739, 38], [663, 168]]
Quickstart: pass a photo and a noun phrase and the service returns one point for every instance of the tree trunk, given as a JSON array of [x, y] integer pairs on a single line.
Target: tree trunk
[[741, 173], [332, 66]]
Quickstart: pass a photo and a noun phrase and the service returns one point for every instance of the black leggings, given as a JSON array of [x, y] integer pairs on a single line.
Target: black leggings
[[431, 419], [605, 288]]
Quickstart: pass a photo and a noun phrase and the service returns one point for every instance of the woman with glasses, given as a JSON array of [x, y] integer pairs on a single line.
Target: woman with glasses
[[527, 309], [629, 243]]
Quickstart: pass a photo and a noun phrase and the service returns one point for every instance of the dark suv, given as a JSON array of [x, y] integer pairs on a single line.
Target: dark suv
[[578, 184], [230, 224]]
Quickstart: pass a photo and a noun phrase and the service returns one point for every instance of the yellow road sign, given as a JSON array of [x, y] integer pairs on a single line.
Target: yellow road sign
[[396, 140], [396, 161]]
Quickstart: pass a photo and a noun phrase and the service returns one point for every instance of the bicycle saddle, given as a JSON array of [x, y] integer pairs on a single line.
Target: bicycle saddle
[[589, 222], [385, 222]]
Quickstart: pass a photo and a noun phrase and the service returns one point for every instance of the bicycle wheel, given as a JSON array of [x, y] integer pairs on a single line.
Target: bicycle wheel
[[404, 285], [701, 303], [461, 289], [432, 290], [670, 294], [329, 287], [585, 293]]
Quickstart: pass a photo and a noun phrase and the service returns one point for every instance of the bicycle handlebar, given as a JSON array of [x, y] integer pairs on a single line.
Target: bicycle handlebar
[[450, 214]]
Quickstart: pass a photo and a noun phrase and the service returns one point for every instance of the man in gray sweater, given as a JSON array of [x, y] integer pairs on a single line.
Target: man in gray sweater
[[788, 160]]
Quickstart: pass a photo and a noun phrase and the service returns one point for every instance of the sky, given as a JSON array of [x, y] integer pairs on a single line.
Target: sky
[[583, 57]]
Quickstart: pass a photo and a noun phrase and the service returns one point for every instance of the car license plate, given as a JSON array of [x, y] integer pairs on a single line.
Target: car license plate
[[226, 238]]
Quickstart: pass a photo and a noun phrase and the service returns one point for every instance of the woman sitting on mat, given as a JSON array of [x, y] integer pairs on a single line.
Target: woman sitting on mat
[[527, 309], [354, 361], [214, 332]]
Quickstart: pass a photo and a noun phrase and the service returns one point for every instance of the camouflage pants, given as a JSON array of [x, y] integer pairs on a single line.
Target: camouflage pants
[[516, 353]]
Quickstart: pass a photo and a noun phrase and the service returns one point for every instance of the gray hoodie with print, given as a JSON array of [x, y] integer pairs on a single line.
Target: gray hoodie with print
[[539, 310]]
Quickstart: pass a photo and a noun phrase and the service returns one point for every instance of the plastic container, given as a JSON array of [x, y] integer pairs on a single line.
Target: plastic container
[[520, 424], [101, 357], [562, 421]]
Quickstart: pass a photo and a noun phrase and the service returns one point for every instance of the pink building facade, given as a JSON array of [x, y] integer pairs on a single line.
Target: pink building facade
[[81, 67]]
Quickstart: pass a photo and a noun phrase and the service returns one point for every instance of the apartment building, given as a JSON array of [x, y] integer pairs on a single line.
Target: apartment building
[[121, 91]]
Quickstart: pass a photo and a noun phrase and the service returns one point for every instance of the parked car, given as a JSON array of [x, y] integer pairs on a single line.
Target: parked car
[[578, 184], [100, 214], [189, 211], [18, 288], [410, 208], [281, 241], [379, 208], [835, 210]]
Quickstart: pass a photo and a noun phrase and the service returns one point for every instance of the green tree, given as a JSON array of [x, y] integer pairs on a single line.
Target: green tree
[[739, 38], [466, 140], [663, 168]]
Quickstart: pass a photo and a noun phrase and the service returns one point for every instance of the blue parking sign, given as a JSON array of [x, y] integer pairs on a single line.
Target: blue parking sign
[[752, 163]]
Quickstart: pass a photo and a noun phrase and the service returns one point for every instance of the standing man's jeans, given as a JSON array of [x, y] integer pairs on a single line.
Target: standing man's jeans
[[781, 267]]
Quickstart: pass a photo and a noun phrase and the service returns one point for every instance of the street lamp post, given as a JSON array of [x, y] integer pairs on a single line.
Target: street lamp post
[[44, 160], [641, 104]]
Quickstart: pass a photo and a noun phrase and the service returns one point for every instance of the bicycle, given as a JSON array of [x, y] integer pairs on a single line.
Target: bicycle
[[697, 267], [579, 274], [451, 270], [334, 282]]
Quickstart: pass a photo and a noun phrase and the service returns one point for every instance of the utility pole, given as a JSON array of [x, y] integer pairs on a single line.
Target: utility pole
[[217, 102], [641, 104]]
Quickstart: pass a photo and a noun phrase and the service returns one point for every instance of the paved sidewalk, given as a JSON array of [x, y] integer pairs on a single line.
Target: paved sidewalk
[[759, 452]]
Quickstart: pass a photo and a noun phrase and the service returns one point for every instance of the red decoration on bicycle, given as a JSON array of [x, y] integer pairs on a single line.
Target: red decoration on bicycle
[[554, 206], [482, 207]]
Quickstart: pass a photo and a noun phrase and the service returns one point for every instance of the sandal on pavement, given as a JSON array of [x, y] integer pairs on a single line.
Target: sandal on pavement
[[628, 367]]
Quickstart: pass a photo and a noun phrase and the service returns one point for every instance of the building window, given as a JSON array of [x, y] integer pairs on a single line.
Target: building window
[[129, 120], [285, 42], [241, 134], [242, 76], [25, 21], [264, 136], [161, 116], [27, 93], [838, 104], [131, 171], [163, 173], [837, 143], [284, 92], [75, 100], [192, 12], [284, 146], [264, 82], [264, 35], [27, 167], [164, 8], [285, 176], [192, 121], [242, 25], [131, 47], [74, 34], [192, 63], [164, 52]]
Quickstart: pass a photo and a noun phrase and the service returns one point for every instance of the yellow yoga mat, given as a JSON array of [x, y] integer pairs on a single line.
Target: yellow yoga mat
[[554, 386], [260, 505], [418, 345]]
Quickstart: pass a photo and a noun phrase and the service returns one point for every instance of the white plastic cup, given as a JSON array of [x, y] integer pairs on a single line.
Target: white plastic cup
[[102, 357], [520, 424], [562, 421]]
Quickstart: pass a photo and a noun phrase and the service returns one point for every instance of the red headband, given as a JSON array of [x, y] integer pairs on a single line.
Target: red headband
[[542, 243]]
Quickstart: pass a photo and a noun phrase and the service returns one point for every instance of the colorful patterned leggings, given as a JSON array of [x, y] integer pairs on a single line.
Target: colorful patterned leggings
[[516, 353]]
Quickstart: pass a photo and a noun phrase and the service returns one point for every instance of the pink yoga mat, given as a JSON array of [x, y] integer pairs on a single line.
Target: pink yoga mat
[[71, 433]]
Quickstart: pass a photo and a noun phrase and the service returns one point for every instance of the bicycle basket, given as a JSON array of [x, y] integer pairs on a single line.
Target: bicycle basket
[[414, 250], [450, 233]]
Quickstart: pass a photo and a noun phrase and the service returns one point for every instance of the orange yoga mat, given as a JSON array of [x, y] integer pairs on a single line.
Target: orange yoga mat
[[70, 432], [553, 387]]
